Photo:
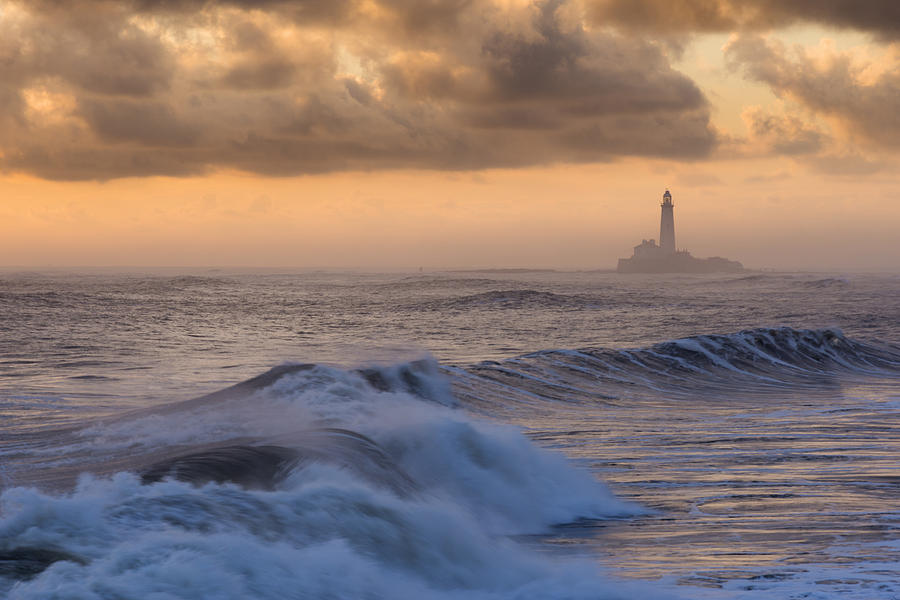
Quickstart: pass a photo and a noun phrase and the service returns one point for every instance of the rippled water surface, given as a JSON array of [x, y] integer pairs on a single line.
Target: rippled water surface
[[757, 490], [750, 420]]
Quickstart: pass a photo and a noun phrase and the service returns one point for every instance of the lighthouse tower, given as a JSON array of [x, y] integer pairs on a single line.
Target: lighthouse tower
[[667, 225]]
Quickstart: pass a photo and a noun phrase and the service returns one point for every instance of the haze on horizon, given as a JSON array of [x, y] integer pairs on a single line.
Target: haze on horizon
[[402, 134]]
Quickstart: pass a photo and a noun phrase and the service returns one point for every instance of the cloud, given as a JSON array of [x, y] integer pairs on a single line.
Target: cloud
[[143, 123], [584, 75], [315, 10], [106, 89], [881, 17], [866, 102], [97, 52], [783, 134], [844, 164]]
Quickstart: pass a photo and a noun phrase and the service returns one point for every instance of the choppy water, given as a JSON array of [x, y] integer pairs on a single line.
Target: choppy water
[[447, 435]]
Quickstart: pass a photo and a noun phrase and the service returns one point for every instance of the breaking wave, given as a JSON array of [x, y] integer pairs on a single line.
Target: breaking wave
[[304, 482], [316, 481], [755, 361]]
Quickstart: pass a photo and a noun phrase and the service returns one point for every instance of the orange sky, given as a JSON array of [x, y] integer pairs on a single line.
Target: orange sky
[[366, 134]]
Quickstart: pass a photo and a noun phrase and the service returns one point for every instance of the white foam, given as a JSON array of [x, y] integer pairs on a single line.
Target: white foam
[[326, 532], [325, 536]]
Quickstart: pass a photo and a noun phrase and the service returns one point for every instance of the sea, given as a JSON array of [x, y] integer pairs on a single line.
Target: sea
[[501, 434]]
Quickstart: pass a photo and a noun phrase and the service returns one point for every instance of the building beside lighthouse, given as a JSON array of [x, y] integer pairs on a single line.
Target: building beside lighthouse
[[649, 257]]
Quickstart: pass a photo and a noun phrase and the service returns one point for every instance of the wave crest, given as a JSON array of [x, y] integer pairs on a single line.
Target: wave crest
[[754, 360]]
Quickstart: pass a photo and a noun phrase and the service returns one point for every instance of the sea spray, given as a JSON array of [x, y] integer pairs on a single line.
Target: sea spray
[[325, 530]]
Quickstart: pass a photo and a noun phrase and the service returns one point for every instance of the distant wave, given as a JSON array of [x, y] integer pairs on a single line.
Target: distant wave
[[827, 282], [180, 282], [513, 299], [507, 270], [787, 278], [783, 349], [414, 282], [191, 280], [754, 360]]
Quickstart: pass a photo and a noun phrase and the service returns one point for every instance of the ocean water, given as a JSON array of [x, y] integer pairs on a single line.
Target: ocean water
[[496, 434]]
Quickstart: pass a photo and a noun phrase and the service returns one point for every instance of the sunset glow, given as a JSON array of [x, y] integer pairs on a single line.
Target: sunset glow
[[447, 134]]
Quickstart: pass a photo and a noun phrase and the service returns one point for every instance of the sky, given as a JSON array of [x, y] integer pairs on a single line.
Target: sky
[[440, 134]]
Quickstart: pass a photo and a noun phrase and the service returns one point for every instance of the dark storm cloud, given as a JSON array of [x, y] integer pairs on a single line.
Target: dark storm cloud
[[412, 16], [305, 12], [179, 88], [260, 74], [147, 123], [870, 107], [514, 118], [878, 16], [587, 75], [663, 136], [98, 51], [426, 17]]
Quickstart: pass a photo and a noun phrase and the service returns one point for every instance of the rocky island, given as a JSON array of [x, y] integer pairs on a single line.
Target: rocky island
[[649, 257]]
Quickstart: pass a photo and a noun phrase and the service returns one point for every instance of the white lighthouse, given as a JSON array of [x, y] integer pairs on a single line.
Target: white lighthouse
[[667, 225]]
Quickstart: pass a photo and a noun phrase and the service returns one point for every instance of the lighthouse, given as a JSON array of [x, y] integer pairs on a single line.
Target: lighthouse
[[650, 258], [667, 225]]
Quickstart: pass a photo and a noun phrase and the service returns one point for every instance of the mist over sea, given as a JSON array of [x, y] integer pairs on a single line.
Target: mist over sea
[[481, 434]]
